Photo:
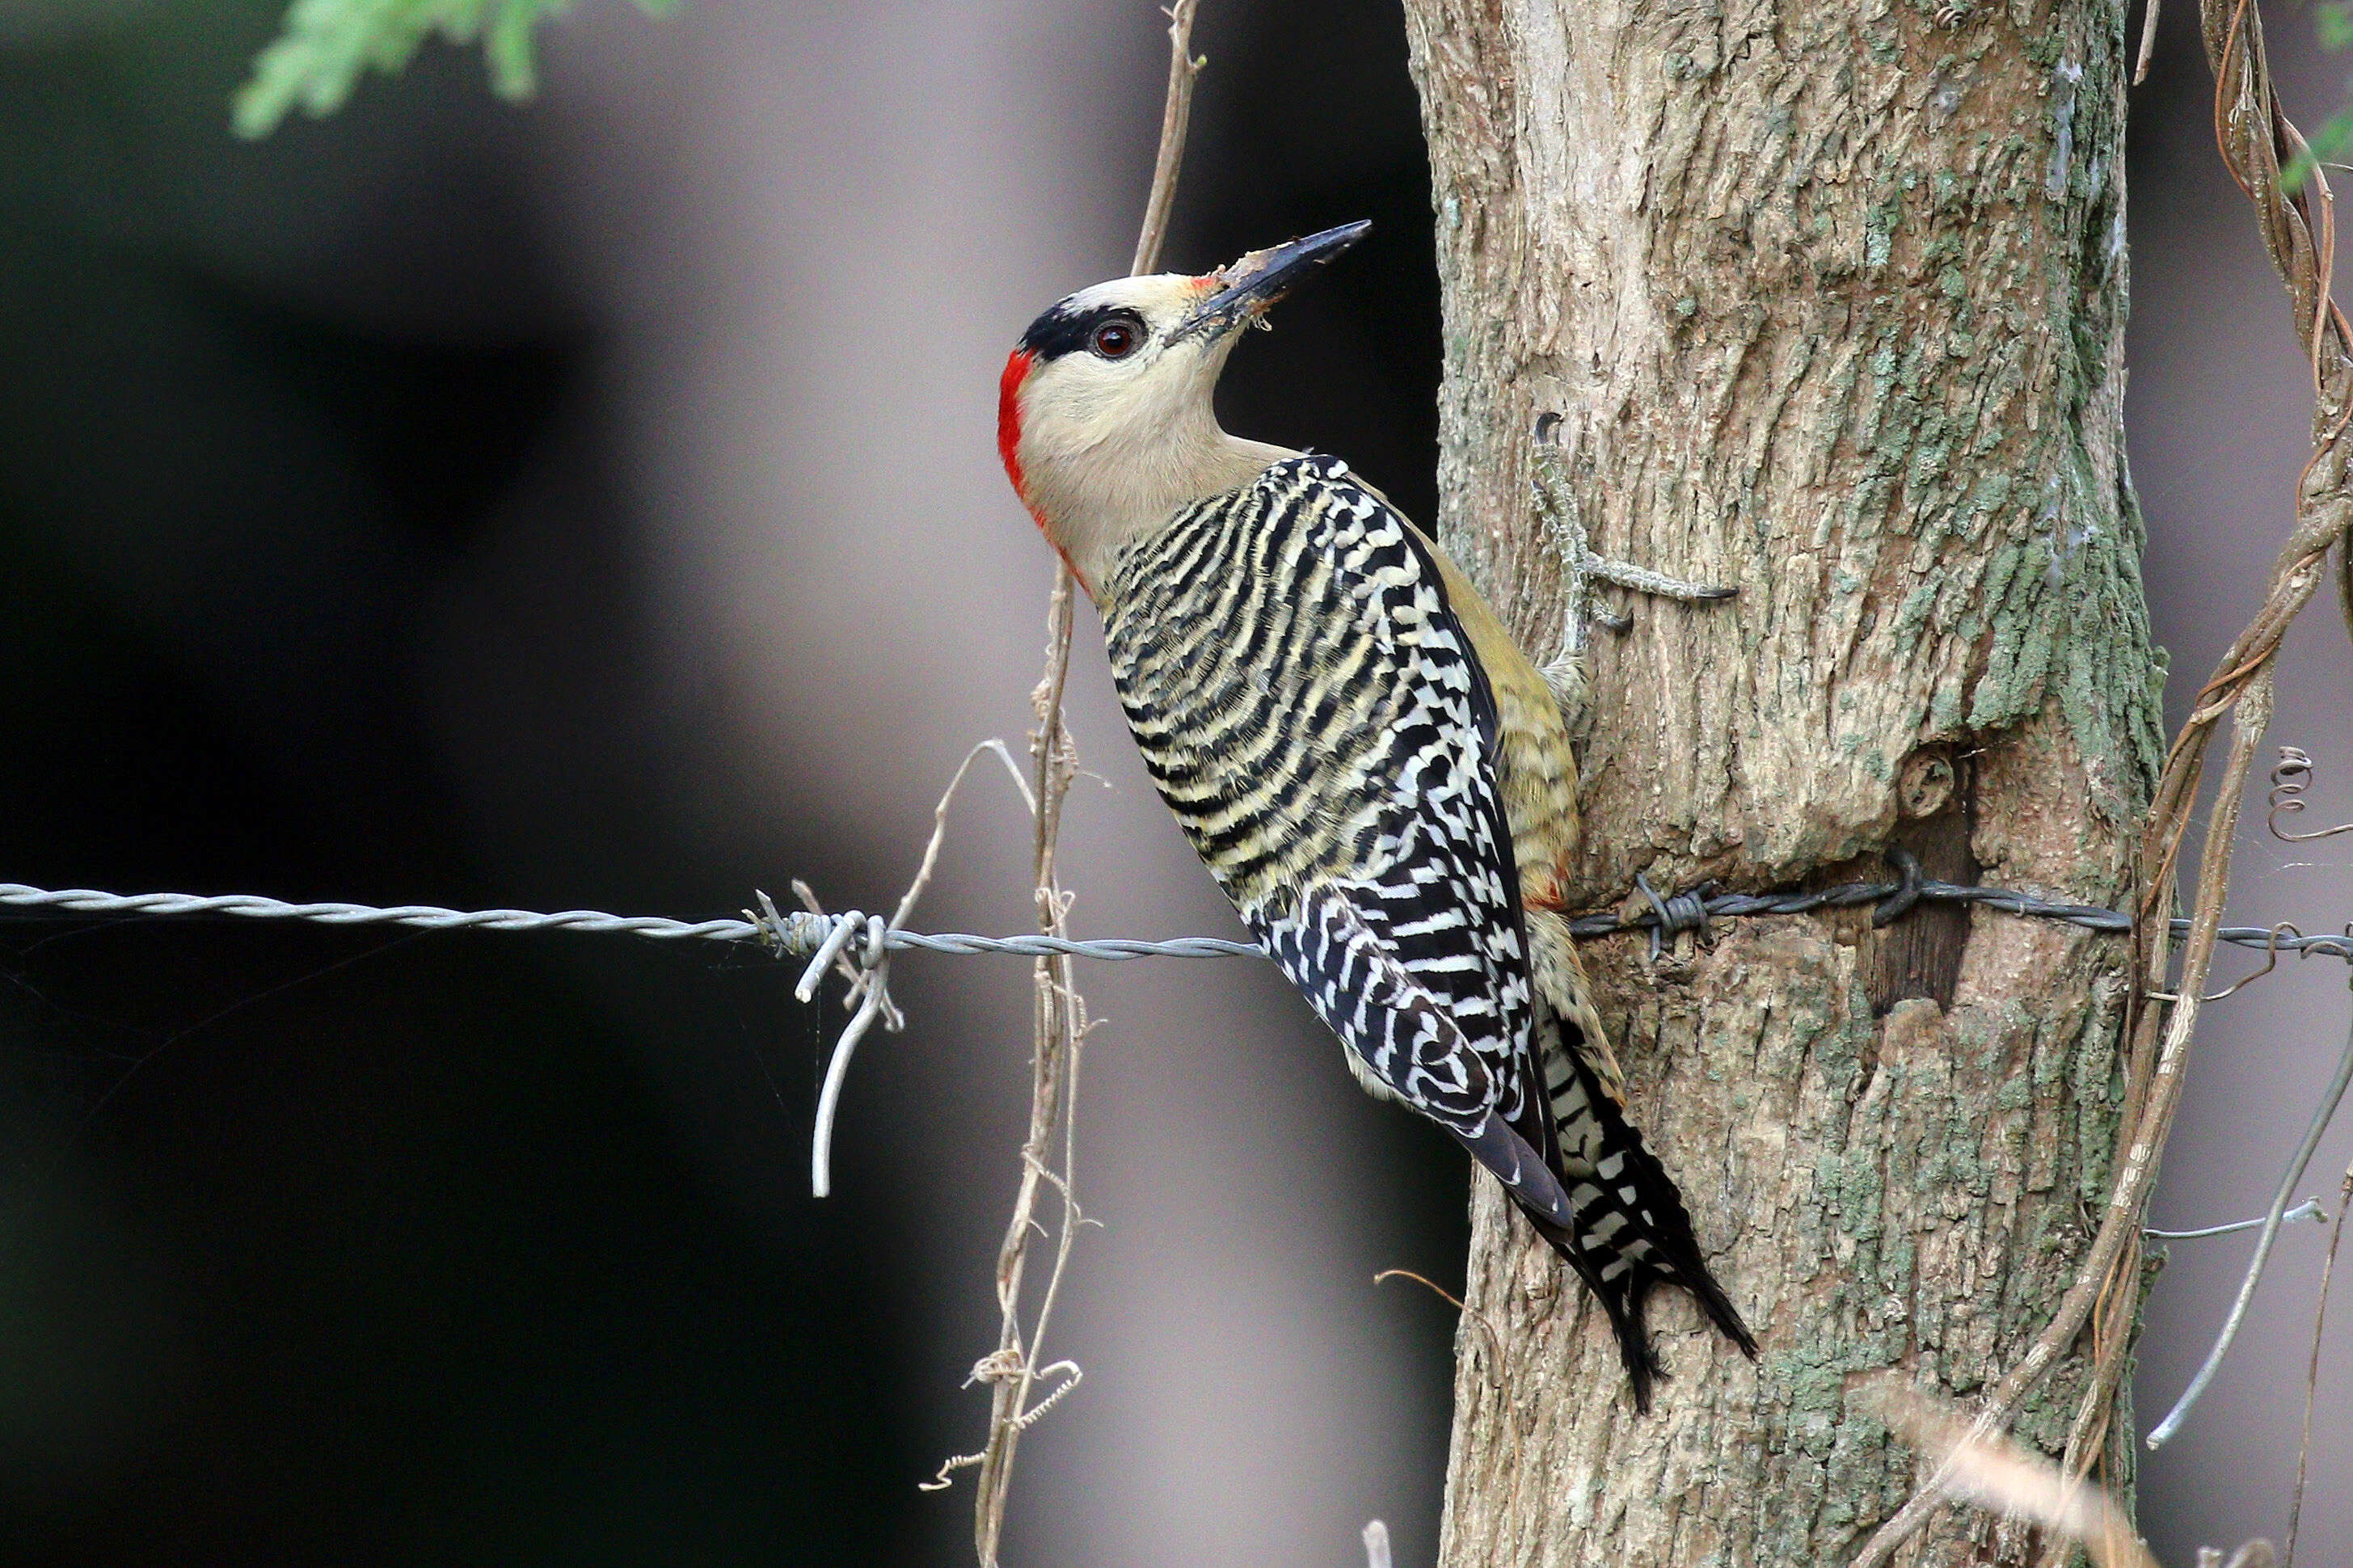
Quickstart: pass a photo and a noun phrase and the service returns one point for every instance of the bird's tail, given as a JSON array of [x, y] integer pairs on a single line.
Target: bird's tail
[[1630, 1230]]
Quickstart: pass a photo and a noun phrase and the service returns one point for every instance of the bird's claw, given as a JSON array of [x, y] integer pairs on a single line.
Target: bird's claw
[[1580, 567]]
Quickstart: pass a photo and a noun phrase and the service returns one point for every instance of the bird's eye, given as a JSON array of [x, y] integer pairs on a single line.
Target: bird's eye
[[1116, 340]]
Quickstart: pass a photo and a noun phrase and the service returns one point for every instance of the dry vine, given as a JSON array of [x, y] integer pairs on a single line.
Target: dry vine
[[2256, 141], [2312, 1369], [1058, 1016], [1994, 1473]]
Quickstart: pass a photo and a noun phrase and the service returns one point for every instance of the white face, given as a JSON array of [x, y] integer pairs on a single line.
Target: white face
[[1103, 416], [1104, 372], [1105, 421]]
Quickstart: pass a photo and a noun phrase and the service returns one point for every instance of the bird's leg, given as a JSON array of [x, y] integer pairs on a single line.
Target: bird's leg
[[1580, 567]]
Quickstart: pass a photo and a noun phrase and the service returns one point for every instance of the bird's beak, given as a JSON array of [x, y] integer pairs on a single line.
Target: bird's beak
[[1260, 279]]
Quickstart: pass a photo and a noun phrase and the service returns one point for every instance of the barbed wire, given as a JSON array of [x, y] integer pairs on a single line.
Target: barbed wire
[[1694, 910], [794, 934], [830, 939], [799, 933]]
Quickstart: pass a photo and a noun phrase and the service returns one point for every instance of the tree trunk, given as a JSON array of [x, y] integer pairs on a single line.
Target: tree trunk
[[1829, 301]]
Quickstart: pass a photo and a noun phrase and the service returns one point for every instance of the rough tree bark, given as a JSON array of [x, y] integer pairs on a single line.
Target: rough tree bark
[[1830, 302]]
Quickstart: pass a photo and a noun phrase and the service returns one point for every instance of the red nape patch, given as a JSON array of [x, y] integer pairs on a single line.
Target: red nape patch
[[1008, 448], [1008, 417]]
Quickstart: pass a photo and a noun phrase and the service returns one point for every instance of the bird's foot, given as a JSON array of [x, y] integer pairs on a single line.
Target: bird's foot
[[1555, 503]]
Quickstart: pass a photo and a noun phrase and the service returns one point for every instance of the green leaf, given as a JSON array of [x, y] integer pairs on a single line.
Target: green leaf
[[2330, 140], [2333, 21], [318, 58]]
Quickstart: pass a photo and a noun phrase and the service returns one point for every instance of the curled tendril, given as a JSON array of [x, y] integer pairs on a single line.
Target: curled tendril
[[2290, 779]]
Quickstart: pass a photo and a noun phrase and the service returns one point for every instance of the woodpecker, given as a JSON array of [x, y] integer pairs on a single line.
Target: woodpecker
[[1378, 776]]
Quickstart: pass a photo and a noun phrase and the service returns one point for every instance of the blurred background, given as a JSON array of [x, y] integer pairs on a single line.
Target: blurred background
[[594, 504]]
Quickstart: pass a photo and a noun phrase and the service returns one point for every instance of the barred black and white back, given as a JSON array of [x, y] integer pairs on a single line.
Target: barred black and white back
[[1310, 706]]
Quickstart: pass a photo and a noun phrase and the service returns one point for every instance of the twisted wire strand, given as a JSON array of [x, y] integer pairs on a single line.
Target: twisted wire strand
[[1693, 911], [799, 934], [90, 901]]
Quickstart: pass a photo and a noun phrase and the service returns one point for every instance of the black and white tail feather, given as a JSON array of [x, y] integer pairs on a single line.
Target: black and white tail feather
[[1313, 712], [1629, 1231]]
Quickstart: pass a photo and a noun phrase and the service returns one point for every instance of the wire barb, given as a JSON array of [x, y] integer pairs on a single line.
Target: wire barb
[[1907, 892], [1675, 914], [2271, 961]]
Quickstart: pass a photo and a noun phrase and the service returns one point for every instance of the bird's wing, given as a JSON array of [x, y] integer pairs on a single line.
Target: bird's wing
[[1316, 715], [1340, 947], [1314, 711]]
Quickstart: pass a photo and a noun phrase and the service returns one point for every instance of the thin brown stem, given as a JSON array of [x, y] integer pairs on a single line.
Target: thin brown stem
[[1013, 1369], [1058, 1013], [2312, 1371], [1175, 113], [1999, 1476]]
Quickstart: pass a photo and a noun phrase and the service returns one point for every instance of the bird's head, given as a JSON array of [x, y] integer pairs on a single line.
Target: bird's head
[[1104, 417]]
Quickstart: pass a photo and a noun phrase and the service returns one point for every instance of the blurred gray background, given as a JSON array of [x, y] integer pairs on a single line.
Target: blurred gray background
[[594, 504]]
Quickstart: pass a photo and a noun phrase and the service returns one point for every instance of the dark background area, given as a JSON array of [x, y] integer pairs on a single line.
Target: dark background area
[[341, 1245], [590, 505]]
